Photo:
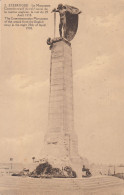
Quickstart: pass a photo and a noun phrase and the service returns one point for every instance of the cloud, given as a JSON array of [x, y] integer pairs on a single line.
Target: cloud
[[99, 98], [21, 82], [110, 21], [24, 106]]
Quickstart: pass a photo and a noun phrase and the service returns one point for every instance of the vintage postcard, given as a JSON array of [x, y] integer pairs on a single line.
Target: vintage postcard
[[62, 97]]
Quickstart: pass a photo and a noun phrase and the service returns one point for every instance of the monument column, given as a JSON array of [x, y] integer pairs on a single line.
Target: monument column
[[60, 140]]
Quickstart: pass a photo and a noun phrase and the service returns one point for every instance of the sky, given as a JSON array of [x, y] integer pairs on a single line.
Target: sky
[[98, 84]]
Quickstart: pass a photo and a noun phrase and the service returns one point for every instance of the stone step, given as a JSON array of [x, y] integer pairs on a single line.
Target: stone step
[[25, 186]]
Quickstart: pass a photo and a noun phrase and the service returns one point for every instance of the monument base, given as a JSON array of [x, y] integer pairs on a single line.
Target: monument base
[[76, 163]]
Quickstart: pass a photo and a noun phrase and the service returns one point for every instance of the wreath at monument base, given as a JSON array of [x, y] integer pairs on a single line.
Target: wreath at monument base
[[46, 170]]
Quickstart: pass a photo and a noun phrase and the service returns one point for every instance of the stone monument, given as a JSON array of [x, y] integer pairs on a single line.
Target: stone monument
[[61, 144]]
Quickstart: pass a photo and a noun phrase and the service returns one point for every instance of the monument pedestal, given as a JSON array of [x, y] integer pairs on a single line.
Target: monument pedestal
[[61, 144]]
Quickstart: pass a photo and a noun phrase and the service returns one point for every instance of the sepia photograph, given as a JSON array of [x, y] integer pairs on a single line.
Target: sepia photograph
[[61, 97]]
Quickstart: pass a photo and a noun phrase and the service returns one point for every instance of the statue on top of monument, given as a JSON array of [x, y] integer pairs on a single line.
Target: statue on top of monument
[[68, 20]]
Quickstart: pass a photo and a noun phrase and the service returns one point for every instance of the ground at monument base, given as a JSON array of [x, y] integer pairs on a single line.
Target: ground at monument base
[[100, 185]]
